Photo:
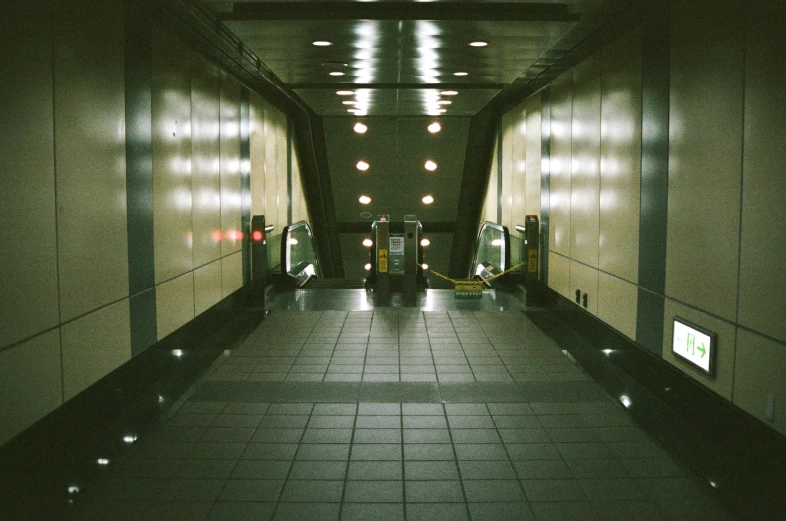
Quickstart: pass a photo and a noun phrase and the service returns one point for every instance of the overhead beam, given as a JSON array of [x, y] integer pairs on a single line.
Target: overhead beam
[[451, 10], [397, 86]]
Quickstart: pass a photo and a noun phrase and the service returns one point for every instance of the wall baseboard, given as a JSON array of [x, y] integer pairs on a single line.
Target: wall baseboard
[[743, 457], [61, 450]]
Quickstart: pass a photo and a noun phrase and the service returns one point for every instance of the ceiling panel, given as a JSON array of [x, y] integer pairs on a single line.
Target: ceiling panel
[[396, 149]]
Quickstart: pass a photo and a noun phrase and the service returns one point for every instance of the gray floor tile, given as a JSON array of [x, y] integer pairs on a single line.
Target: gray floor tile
[[635, 510], [372, 512], [313, 491], [553, 490], [437, 512], [368, 491], [323, 451], [424, 422], [572, 435], [251, 490], [191, 489], [428, 451], [318, 470], [486, 470], [424, 470], [530, 451], [378, 451], [307, 512], [204, 468], [375, 470], [434, 491], [377, 436], [237, 420], [475, 435], [241, 510], [332, 422], [379, 409], [565, 511], [261, 469], [284, 421], [426, 436], [277, 435], [270, 451], [335, 409], [652, 467], [481, 452], [597, 468], [611, 489], [466, 409], [584, 451], [228, 434], [510, 409], [524, 435], [517, 422], [481, 491], [317, 435], [542, 469], [500, 512], [378, 422], [470, 422]]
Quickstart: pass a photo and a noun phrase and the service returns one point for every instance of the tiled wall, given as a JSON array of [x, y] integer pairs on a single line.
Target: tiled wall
[[68, 312], [724, 215]]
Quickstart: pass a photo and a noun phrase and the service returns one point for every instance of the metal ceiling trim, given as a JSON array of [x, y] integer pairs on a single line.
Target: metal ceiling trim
[[398, 86], [439, 11]]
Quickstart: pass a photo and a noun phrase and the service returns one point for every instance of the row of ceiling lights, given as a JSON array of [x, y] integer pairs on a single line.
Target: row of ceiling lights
[[432, 103], [360, 105], [429, 165]]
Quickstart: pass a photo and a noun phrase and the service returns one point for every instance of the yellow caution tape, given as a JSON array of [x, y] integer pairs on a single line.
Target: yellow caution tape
[[456, 282]]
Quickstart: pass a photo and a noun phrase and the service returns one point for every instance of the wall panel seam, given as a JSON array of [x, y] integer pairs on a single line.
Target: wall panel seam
[[52, 39], [27, 339]]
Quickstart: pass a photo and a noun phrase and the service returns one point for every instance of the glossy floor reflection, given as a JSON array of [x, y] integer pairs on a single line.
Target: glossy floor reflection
[[398, 414]]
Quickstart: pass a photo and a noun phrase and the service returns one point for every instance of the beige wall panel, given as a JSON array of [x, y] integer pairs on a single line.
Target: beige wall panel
[[257, 152], [90, 154], [174, 304], [172, 224], [230, 166], [28, 251], [585, 279], [724, 362], [618, 303], [281, 168], [533, 155], [489, 212], [30, 383], [231, 274], [758, 373], [585, 151], [507, 175], [271, 168], [762, 303], [205, 162], [559, 274], [519, 167], [705, 147], [620, 163], [94, 346], [560, 164], [207, 286]]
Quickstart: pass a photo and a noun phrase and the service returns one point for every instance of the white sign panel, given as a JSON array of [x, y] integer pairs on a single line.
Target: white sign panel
[[694, 344]]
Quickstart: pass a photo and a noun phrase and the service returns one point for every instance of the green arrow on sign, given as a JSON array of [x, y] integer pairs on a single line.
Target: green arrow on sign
[[702, 350]]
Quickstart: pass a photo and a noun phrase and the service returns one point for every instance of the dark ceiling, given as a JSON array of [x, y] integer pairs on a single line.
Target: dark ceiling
[[398, 57]]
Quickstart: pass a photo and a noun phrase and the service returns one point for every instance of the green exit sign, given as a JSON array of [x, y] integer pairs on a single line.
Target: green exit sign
[[696, 345]]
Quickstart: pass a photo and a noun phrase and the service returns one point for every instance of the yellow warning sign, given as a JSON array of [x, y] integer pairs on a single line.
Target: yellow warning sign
[[532, 257], [383, 261]]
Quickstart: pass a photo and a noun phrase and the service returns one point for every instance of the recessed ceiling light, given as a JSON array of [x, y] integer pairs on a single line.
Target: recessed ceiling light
[[449, 92], [460, 73], [362, 166], [345, 92], [360, 128], [368, 243], [427, 200], [349, 102], [444, 102], [368, 266], [479, 43], [441, 111], [424, 242], [434, 127], [321, 43], [364, 199], [430, 165], [336, 73]]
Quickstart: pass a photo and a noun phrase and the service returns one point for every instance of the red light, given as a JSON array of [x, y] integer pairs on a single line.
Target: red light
[[234, 235], [257, 235], [217, 235]]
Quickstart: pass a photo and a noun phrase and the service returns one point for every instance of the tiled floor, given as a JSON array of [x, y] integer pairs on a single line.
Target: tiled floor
[[398, 415]]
